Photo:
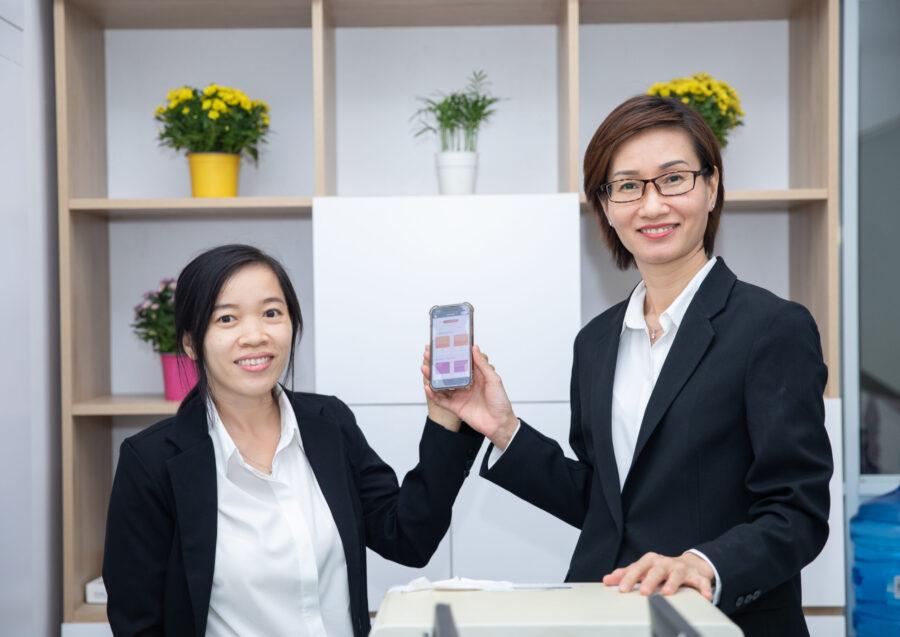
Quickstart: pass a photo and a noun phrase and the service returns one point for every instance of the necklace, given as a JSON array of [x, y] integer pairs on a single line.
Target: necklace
[[654, 333]]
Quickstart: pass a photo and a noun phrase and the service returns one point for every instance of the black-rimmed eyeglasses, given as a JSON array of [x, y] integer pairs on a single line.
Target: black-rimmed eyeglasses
[[669, 184]]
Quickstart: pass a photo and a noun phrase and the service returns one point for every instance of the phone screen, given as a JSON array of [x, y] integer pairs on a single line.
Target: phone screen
[[451, 346]]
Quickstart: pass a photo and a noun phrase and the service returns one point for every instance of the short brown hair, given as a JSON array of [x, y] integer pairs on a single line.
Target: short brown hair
[[631, 117]]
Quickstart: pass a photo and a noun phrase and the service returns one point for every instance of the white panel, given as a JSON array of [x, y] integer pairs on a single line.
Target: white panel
[[86, 630], [11, 41], [13, 12], [394, 433], [823, 580], [498, 536], [381, 263], [381, 72], [269, 64], [826, 626], [622, 60], [141, 252]]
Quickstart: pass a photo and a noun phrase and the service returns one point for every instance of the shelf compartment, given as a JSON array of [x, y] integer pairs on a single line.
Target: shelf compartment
[[125, 405], [197, 14], [90, 613], [626, 11], [191, 207]]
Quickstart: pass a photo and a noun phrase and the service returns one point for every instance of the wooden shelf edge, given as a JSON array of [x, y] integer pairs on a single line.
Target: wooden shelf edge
[[188, 206], [125, 405], [762, 200], [89, 613]]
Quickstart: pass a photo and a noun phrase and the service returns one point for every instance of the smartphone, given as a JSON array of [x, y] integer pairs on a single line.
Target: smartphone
[[451, 345]]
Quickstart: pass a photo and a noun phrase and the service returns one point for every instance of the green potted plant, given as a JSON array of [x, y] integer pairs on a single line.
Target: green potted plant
[[456, 120], [154, 323], [216, 126]]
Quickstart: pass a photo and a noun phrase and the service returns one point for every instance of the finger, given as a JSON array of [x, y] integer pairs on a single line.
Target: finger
[[676, 578], [613, 578], [635, 572], [482, 364], [700, 583], [426, 372], [427, 355], [653, 578]]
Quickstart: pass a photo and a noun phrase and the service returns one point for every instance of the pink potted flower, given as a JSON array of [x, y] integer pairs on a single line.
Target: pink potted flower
[[154, 323]]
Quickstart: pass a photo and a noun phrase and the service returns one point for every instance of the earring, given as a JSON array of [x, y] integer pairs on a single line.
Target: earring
[[609, 221]]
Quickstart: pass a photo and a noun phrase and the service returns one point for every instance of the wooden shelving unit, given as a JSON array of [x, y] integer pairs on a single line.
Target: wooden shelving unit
[[85, 210]]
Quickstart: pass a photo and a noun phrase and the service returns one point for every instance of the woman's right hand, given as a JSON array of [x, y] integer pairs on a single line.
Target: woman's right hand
[[483, 405]]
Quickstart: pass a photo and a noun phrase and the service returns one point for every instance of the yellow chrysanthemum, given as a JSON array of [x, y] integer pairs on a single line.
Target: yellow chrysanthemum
[[265, 119], [245, 103], [185, 110], [219, 105], [159, 110], [213, 115], [206, 105], [209, 90]]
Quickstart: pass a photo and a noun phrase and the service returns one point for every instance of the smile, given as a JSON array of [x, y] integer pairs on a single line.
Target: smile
[[255, 364], [657, 232]]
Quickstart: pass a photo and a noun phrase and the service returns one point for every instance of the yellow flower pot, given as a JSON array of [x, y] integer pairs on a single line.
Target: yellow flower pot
[[214, 174]]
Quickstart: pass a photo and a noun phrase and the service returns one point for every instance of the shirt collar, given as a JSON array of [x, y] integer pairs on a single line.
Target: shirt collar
[[222, 439], [634, 313]]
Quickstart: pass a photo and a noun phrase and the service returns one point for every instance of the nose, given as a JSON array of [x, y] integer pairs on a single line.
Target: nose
[[653, 204], [253, 333]]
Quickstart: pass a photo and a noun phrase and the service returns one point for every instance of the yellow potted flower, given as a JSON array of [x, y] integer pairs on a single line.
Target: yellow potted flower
[[716, 101], [216, 126]]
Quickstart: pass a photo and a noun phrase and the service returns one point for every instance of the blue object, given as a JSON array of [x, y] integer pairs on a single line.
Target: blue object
[[875, 531]]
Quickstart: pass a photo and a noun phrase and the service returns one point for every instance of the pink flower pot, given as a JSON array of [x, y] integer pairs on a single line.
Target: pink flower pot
[[179, 375]]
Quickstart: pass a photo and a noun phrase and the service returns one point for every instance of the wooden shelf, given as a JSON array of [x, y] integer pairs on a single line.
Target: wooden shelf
[[90, 613], [197, 14], [628, 11], [190, 207], [412, 13], [766, 200], [125, 405]]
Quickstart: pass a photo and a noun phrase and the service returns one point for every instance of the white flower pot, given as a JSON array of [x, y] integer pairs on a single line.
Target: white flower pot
[[456, 172]]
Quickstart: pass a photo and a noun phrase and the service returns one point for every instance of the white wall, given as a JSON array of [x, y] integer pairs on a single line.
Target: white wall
[[29, 424]]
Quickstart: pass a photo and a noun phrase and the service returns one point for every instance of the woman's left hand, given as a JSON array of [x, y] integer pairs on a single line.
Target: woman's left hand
[[653, 571]]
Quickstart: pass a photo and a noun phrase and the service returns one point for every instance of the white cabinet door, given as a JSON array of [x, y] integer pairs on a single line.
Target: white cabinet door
[[393, 432], [498, 536]]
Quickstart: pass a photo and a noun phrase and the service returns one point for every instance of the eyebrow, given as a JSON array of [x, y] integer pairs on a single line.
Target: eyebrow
[[232, 306], [668, 164]]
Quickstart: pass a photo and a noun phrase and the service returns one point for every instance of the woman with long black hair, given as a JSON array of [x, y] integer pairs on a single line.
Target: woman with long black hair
[[249, 512]]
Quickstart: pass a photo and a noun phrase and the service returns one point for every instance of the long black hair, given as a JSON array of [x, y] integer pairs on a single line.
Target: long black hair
[[196, 292]]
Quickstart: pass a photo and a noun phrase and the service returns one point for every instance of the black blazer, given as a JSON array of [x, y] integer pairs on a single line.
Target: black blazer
[[732, 457], [161, 526]]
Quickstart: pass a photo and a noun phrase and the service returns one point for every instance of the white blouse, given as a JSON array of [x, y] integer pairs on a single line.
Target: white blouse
[[280, 567]]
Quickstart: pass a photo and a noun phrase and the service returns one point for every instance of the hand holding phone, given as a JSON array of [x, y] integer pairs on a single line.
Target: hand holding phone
[[482, 403]]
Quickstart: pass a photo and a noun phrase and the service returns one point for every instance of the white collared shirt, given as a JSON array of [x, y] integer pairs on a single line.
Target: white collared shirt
[[637, 367], [280, 567]]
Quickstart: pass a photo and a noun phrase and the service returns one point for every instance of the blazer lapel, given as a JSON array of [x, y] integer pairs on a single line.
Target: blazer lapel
[[603, 373], [695, 334], [323, 448], [193, 474]]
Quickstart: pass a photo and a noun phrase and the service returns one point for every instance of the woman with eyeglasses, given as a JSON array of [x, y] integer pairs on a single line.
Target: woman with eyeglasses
[[702, 458], [249, 512]]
